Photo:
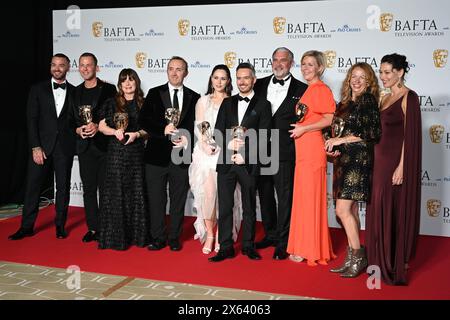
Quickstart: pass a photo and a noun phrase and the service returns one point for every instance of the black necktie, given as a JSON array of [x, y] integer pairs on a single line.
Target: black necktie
[[176, 105], [59, 85], [281, 82], [246, 99]]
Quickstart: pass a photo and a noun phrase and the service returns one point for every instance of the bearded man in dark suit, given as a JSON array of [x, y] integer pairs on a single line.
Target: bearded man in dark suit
[[283, 91], [52, 144]]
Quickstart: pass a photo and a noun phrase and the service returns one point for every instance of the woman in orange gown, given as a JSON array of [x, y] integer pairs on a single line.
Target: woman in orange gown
[[309, 237]]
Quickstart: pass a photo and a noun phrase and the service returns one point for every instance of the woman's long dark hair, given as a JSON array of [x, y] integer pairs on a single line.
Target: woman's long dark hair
[[229, 87], [138, 94]]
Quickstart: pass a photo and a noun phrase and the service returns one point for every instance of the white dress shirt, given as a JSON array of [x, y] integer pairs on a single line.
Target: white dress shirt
[[242, 107], [179, 95], [60, 97], [276, 93]]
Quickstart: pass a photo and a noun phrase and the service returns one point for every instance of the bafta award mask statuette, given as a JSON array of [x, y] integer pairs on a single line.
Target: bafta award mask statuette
[[172, 116], [205, 129], [337, 128], [120, 120], [85, 112], [238, 132]]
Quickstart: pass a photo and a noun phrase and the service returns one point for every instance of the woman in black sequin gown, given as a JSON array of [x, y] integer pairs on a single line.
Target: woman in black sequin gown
[[354, 159], [123, 220]]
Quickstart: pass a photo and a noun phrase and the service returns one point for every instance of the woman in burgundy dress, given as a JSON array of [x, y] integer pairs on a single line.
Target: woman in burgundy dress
[[393, 214]]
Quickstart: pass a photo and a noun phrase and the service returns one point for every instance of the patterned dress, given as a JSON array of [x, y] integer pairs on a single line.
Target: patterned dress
[[123, 220], [352, 170]]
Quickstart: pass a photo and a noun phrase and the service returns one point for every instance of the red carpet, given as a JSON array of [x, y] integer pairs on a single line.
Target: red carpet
[[429, 274]]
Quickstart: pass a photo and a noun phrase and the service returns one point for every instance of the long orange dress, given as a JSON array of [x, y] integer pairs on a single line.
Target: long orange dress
[[309, 236]]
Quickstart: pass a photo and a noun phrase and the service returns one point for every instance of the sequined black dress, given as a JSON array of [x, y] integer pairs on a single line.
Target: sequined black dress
[[123, 219], [352, 170]]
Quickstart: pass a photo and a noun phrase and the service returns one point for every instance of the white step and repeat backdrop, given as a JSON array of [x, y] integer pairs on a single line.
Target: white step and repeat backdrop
[[347, 31]]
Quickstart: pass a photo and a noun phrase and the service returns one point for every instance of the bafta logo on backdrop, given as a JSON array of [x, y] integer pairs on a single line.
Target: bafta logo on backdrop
[[183, 27], [278, 24], [97, 28], [434, 207], [386, 21], [140, 59], [330, 56], [437, 133], [230, 59], [440, 57]]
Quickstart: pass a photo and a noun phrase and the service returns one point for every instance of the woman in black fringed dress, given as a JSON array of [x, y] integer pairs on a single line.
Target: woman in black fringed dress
[[123, 220]]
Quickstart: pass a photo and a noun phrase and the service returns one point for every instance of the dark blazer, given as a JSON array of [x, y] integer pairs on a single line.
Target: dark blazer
[[106, 90], [285, 115], [44, 126], [257, 116], [152, 120]]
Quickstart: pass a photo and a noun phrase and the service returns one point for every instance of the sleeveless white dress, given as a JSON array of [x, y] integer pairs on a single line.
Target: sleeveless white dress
[[203, 175]]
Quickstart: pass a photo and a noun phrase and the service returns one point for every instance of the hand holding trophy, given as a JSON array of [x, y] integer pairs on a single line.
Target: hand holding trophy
[[300, 111], [172, 116], [85, 112], [337, 128], [205, 129], [238, 134], [120, 120]]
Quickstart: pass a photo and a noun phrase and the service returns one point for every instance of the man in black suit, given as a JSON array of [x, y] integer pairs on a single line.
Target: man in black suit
[[52, 142], [253, 113], [91, 144], [283, 91], [163, 153]]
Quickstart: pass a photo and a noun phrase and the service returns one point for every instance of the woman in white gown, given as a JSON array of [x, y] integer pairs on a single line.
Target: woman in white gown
[[202, 171]]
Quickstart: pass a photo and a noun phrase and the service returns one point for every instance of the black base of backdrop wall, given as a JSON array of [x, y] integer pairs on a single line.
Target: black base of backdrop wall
[[26, 58]]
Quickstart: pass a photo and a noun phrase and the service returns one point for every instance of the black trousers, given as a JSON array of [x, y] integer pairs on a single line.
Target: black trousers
[[226, 184], [156, 179], [61, 164], [92, 164], [276, 226]]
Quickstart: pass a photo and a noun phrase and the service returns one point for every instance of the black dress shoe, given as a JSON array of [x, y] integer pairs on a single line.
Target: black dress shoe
[[156, 245], [251, 254], [265, 243], [280, 254], [222, 255], [90, 236], [21, 233], [174, 245], [61, 233]]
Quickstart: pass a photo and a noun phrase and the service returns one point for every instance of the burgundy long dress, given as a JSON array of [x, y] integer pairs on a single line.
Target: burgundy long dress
[[393, 214]]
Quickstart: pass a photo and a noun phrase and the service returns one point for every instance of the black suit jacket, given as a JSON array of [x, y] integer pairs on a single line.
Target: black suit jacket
[[105, 91], [285, 115], [152, 120], [44, 126], [257, 116]]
